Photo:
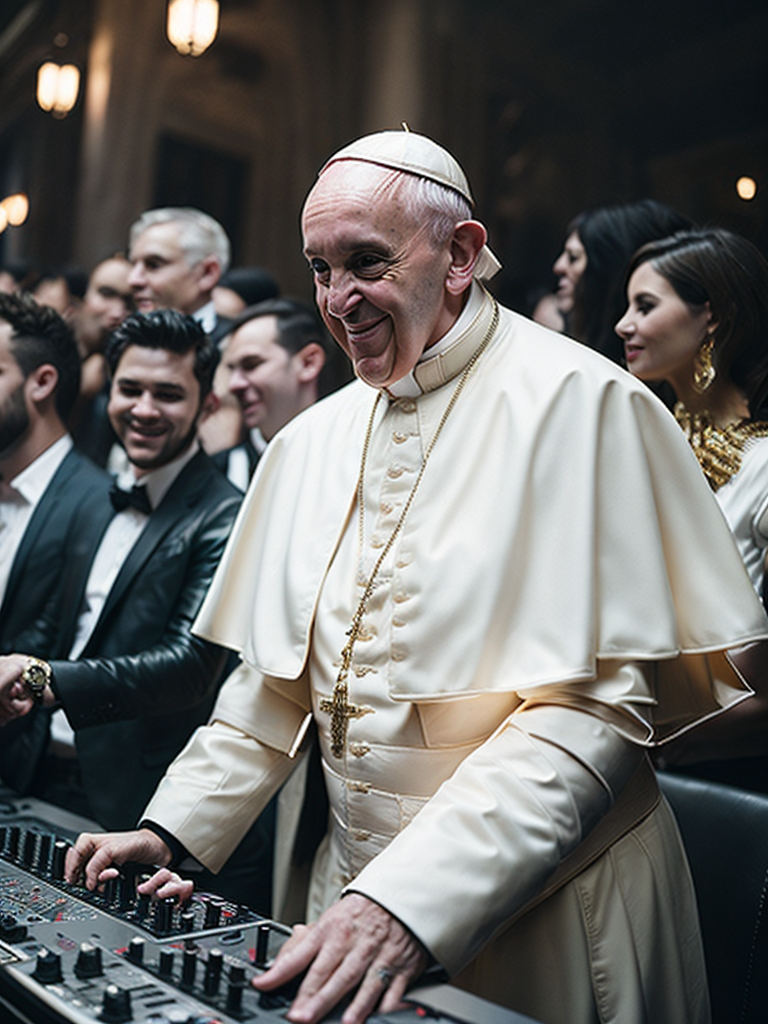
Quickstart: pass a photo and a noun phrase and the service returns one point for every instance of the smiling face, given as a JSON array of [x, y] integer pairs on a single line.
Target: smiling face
[[264, 377], [108, 301], [379, 280], [662, 334], [154, 404], [569, 266], [161, 276]]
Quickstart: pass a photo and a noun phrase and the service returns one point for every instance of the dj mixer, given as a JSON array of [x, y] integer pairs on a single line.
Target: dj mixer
[[71, 956]]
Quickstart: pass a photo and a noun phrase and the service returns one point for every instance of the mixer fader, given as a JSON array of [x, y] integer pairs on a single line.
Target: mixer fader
[[115, 956]]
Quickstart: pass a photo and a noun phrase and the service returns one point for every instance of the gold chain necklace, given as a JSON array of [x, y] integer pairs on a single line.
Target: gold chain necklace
[[719, 450], [338, 705]]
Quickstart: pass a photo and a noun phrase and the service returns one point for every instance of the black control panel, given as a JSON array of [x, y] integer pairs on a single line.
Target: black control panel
[[70, 955]]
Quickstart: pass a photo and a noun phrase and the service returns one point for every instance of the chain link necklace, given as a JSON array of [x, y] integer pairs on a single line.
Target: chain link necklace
[[719, 450], [338, 705]]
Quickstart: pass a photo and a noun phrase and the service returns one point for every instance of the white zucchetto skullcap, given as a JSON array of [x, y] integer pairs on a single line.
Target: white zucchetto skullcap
[[416, 154]]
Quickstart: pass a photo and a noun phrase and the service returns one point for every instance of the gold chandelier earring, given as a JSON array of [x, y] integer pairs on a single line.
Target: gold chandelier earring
[[703, 367]]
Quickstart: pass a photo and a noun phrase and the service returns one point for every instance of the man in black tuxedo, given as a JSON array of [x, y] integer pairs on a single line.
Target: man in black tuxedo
[[131, 680], [44, 482]]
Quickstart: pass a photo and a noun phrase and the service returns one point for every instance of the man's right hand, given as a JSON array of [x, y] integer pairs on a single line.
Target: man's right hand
[[97, 854]]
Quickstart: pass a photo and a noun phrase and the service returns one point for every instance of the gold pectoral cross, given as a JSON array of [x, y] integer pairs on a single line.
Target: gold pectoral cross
[[338, 705]]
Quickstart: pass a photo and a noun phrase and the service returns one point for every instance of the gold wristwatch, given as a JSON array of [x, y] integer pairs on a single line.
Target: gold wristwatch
[[35, 677]]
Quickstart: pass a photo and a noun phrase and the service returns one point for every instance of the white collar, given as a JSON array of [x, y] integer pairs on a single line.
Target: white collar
[[409, 386], [32, 481], [206, 316]]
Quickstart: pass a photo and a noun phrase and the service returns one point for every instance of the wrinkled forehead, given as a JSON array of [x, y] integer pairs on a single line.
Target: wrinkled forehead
[[354, 187]]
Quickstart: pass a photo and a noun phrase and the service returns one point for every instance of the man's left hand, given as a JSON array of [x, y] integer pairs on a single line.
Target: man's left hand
[[356, 944], [14, 699]]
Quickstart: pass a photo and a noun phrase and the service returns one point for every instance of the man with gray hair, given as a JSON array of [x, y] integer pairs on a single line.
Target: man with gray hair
[[178, 256]]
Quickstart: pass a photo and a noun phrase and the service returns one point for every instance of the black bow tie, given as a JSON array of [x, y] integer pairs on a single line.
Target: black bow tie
[[136, 498]]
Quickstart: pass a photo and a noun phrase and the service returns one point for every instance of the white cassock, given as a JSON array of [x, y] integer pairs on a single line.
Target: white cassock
[[559, 598]]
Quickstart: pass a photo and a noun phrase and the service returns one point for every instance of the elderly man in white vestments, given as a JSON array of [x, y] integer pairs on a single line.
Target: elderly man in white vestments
[[491, 573]]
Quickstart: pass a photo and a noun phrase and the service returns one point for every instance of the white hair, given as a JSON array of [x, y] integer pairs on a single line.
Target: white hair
[[199, 234], [442, 208]]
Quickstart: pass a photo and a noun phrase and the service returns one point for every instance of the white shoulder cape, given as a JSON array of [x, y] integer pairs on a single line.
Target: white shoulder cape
[[562, 519]]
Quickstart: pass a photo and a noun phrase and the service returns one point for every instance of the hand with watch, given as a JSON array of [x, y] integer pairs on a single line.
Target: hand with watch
[[25, 681]]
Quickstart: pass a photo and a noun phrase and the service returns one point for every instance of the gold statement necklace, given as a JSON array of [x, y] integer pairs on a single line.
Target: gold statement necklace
[[338, 704], [719, 450]]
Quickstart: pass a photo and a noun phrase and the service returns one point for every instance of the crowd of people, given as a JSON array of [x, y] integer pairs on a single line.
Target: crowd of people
[[421, 630]]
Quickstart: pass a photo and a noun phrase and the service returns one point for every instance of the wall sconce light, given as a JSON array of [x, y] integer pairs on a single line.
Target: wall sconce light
[[57, 87], [192, 25], [15, 209], [746, 188]]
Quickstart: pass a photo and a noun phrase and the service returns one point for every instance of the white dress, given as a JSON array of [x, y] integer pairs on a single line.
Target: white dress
[[744, 501]]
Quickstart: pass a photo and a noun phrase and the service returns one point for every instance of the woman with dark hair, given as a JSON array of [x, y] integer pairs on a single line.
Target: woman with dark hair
[[698, 319], [591, 267]]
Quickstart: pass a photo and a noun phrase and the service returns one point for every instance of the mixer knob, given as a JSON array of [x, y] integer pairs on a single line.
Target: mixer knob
[[262, 945], [187, 921], [48, 968], [60, 848], [88, 963], [213, 967], [142, 905], [110, 891], [28, 849], [176, 1015], [235, 988], [164, 915], [165, 966], [136, 950], [213, 914], [44, 853], [12, 842], [189, 968], [125, 891], [11, 930], [116, 1005]]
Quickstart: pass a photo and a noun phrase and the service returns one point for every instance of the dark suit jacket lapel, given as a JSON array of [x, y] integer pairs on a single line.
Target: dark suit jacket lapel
[[45, 508], [184, 493], [85, 546]]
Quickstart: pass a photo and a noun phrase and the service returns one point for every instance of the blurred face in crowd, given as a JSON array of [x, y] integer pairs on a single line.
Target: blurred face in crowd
[[569, 266], [162, 278], [154, 404], [268, 381], [662, 334], [379, 280], [54, 292], [108, 301], [14, 418]]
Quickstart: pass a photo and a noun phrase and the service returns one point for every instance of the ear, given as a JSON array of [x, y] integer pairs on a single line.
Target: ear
[[210, 272], [469, 237], [310, 361], [210, 404], [42, 382]]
